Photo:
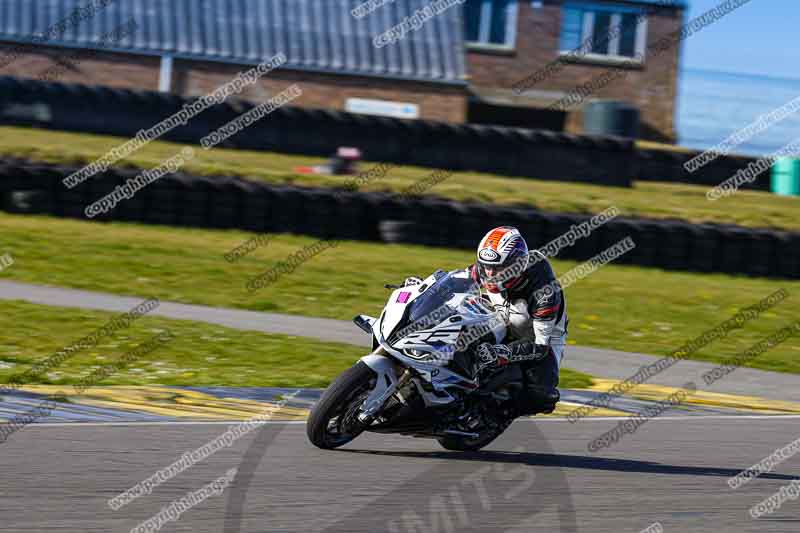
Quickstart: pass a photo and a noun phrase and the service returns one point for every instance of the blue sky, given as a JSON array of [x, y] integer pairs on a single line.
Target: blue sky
[[760, 37]]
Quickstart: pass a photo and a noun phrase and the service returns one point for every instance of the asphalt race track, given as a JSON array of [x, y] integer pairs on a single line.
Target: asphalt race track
[[539, 476]]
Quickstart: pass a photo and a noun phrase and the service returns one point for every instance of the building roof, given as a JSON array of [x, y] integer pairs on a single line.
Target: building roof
[[315, 35]]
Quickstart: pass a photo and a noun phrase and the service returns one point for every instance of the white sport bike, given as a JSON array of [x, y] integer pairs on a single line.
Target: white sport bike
[[423, 378]]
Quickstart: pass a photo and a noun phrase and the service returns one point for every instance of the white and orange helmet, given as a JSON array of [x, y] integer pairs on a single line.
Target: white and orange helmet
[[502, 259]]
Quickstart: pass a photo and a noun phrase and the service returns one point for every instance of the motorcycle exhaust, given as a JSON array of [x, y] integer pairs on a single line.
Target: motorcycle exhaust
[[461, 433]]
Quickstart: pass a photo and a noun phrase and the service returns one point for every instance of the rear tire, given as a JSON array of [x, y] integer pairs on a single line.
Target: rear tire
[[339, 401]]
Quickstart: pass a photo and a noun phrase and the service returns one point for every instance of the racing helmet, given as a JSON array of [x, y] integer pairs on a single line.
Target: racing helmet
[[502, 259]]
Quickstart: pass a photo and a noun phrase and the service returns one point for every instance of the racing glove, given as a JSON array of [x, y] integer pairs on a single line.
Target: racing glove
[[529, 351], [498, 355], [492, 355]]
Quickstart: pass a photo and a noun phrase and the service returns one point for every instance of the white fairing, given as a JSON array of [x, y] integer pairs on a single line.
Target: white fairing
[[385, 385], [396, 305], [428, 344]]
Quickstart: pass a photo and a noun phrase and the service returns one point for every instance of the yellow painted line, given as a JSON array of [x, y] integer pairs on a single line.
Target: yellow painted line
[[745, 403], [150, 409], [279, 415], [565, 408], [171, 402], [647, 391], [180, 403]]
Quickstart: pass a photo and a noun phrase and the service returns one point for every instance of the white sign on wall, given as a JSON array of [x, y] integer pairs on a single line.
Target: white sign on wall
[[382, 108]]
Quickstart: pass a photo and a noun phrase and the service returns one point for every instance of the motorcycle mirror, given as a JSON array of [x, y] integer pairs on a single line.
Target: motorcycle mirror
[[362, 323]]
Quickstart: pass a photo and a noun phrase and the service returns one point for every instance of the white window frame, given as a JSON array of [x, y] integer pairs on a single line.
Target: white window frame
[[165, 74], [613, 56], [485, 28]]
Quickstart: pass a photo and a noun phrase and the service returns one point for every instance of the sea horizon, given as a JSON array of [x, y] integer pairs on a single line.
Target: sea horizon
[[713, 104]]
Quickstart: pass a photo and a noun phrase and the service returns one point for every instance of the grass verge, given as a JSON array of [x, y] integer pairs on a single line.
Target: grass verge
[[618, 307], [199, 353], [678, 201]]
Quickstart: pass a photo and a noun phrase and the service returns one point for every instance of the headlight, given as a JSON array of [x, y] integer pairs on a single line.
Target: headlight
[[416, 354], [436, 357]]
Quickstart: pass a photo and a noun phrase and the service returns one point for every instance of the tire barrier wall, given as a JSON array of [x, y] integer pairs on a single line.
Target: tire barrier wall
[[226, 202], [504, 151], [667, 165], [516, 152]]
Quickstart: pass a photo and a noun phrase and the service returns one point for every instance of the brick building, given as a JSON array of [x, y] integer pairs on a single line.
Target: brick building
[[509, 42], [460, 65]]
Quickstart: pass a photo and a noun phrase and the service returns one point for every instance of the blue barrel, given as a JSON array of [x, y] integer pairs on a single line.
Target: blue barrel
[[786, 177]]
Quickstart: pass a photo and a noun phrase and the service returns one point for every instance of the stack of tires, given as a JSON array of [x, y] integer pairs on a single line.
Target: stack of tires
[[229, 202]]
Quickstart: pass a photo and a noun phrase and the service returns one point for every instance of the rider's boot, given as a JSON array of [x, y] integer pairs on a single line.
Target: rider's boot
[[540, 394]]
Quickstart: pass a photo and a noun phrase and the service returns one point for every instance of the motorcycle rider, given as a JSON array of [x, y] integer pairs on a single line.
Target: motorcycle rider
[[522, 285]]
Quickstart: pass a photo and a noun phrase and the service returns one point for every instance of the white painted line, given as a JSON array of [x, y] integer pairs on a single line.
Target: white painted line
[[732, 418], [165, 423], [679, 418]]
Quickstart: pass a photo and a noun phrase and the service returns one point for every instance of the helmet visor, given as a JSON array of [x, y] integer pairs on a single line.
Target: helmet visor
[[493, 273], [496, 273]]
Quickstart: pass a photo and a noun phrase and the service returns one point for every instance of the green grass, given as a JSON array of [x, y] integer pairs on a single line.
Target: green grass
[[645, 199], [619, 307], [572, 379], [199, 353]]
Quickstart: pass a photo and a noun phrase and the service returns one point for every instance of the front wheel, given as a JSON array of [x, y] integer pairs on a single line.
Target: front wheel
[[333, 421]]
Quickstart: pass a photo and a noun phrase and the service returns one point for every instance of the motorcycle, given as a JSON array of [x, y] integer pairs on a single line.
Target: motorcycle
[[423, 377]]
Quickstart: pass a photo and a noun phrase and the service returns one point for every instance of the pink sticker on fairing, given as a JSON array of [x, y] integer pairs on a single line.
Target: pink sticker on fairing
[[403, 297]]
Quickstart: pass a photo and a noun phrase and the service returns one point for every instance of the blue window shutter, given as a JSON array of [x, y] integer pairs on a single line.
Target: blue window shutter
[[502, 17], [472, 20], [571, 28]]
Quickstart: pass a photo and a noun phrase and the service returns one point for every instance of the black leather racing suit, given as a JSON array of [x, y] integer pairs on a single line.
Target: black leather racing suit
[[537, 317]]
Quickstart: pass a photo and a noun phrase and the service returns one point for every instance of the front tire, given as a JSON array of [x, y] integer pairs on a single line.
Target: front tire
[[332, 422]]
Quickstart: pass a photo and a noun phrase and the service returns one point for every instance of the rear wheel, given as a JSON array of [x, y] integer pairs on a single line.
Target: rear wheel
[[333, 421]]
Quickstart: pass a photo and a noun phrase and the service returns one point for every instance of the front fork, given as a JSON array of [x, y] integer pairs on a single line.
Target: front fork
[[386, 384]]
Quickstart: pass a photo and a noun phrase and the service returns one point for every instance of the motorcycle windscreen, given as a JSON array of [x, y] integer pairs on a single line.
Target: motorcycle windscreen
[[433, 302]]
